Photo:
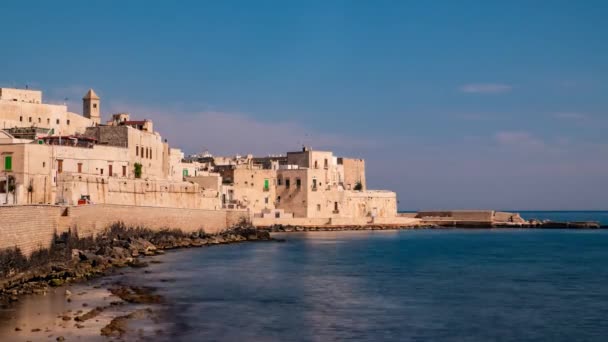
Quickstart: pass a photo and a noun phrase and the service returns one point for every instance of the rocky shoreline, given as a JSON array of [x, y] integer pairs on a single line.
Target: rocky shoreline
[[71, 259]]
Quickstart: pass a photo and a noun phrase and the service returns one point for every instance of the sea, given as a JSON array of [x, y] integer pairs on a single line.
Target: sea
[[407, 285]]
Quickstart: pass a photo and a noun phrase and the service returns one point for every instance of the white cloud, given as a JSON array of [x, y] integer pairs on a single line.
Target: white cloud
[[519, 139], [485, 88], [232, 133], [571, 116]]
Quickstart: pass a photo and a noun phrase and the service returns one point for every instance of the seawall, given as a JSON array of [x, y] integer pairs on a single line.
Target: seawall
[[32, 227]]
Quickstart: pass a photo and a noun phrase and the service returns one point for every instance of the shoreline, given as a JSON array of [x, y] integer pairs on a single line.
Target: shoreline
[[109, 255], [446, 226]]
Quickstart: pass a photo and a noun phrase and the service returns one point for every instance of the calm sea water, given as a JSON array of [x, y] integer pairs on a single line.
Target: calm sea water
[[426, 285]]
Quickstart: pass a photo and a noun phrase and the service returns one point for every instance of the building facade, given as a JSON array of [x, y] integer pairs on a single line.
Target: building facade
[[52, 156]]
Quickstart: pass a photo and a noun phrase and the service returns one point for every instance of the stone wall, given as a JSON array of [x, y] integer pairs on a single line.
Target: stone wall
[[295, 221], [21, 95], [354, 172], [23, 114], [28, 227], [458, 215], [32, 227], [91, 219]]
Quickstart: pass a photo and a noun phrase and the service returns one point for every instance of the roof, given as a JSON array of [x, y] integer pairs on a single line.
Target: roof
[[57, 137], [90, 95]]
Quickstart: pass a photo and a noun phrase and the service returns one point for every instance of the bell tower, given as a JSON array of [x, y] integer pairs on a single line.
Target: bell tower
[[90, 107]]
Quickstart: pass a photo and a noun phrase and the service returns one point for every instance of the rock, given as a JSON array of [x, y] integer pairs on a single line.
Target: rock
[[139, 245], [79, 326], [68, 293], [119, 252], [60, 338], [66, 318], [56, 282], [75, 254], [17, 329], [91, 314], [137, 294], [136, 263], [94, 259]]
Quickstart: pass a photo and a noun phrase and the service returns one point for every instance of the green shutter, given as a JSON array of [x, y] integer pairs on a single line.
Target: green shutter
[[266, 184], [8, 163], [185, 172]]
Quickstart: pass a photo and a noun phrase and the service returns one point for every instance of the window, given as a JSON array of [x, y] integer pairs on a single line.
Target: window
[[185, 172], [316, 165], [79, 167], [136, 150], [142, 151], [48, 121], [110, 170], [21, 118], [266, 185], [314, 184], [68, 122], [39, 120], [298, 183], [150, 153], [326, 163], [266, 200], [30, 119], [94, 105], [278, 199], [8, 163], [336, 208], [318, 207], [287, 183], [59, 166], [58, 121], [124, 171], [279, 181], [43, 164], [101, 172]]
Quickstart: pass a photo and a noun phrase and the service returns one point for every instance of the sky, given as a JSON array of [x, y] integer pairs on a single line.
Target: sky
[[453, 104]]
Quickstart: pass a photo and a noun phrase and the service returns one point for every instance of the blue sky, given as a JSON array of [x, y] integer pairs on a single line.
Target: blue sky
[[454, 104]]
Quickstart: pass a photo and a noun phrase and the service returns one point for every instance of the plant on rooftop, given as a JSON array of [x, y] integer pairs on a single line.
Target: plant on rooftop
[[358, 186]]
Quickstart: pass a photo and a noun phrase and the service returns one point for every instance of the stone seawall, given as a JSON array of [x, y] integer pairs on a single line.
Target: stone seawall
[[28, 227], [32, 227], [337, 222]]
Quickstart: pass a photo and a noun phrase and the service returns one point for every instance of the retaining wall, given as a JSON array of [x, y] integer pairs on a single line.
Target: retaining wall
[[31, 227]]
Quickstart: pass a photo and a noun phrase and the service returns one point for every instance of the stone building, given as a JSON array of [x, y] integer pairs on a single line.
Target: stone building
[[52, 156], [63, 158]]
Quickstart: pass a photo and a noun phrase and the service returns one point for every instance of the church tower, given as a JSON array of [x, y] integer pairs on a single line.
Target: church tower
[[90, 107]]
